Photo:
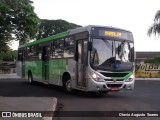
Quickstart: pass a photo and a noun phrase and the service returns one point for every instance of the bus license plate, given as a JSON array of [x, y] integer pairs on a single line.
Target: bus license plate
[[115, 88]]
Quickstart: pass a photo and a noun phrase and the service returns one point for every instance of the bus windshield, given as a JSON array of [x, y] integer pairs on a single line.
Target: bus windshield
[[110, 54]]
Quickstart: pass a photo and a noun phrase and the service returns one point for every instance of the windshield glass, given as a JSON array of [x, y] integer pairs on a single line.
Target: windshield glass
[[111, 54]]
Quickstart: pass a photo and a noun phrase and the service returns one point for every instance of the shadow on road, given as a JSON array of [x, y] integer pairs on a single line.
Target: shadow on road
[[19, 88]]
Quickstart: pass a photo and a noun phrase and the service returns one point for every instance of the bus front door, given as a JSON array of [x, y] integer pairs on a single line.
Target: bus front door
[[81, 64], [45, 63]]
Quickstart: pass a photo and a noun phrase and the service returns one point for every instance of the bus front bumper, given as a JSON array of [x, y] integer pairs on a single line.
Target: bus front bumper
[[110, 85]]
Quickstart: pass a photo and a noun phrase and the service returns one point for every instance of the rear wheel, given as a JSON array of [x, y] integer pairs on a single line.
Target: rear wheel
[[30, 78]]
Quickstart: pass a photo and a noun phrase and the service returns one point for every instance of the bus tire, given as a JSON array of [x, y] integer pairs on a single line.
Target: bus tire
[[67, 84], [30, 78]]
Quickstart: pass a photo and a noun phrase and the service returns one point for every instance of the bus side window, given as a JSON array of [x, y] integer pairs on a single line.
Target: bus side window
[[52, 51], [56, 47], [61, 47], [28, 53], [69, 47], [39, 51], [32, 52]]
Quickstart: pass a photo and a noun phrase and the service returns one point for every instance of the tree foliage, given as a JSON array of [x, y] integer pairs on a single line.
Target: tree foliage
[[154, 60], [51, 27], [17, 18], [155, 28], [5, 26]]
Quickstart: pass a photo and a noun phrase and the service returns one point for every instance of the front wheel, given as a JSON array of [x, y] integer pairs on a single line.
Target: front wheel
[[67, 86]]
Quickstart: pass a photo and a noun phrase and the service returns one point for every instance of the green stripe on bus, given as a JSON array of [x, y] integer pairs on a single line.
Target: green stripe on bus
[[60, 35], [125, 77]]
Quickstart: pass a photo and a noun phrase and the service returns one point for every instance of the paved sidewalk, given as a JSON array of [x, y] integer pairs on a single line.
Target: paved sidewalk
[[31, 104], [147, 79], [9, 76]]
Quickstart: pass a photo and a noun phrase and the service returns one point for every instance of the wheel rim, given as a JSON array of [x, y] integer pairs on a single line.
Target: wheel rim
[[68, 85]]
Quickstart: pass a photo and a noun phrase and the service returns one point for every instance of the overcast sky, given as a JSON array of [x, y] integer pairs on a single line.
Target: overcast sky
[[134, 15]]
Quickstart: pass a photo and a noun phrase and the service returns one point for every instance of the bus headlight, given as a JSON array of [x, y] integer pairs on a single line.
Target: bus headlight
[[131, 78], [96, 77]]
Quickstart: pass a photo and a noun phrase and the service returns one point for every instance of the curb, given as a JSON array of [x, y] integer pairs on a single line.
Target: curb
[[155, 79]]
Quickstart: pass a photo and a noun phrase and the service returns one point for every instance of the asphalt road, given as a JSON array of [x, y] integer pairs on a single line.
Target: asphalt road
[[145, 97]]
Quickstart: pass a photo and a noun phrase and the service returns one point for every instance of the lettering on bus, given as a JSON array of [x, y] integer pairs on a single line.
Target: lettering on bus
[[113, 34]]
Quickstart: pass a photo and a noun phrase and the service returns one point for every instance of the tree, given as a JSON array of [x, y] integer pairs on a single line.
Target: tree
[[19, 19], [26, 21], [51, 27], [5, 26], [155, 28]]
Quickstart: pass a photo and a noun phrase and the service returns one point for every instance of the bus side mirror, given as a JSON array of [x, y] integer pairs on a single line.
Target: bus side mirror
[[89, 46], [133, 54]]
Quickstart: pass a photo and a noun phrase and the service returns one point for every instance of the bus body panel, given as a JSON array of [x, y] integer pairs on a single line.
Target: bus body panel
[[56, 69], [71, 68], [19, 68], [35, 67]]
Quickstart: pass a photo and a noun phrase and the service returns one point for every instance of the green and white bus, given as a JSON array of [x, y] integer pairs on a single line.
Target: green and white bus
[[91, 58]]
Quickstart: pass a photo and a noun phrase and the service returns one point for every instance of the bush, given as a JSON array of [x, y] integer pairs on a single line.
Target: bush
[[155, 60], [8, 56]]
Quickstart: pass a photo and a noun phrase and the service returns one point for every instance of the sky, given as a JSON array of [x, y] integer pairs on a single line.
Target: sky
[[134, 15]]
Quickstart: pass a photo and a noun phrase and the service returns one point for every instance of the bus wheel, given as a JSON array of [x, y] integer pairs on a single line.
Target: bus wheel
[[67, 86], [30, 78]]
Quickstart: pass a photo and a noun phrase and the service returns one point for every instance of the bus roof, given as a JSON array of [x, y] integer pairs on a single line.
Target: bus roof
[[88, 28], [69, 32]]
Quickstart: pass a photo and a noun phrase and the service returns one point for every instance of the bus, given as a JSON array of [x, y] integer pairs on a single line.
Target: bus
[[91, 58]]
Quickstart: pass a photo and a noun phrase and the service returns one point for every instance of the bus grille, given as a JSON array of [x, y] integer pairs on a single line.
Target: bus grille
[[114, 85], [113, 80], [114, 74]]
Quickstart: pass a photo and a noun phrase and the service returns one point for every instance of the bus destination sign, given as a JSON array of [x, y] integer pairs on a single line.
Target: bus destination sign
[[112, 33]]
